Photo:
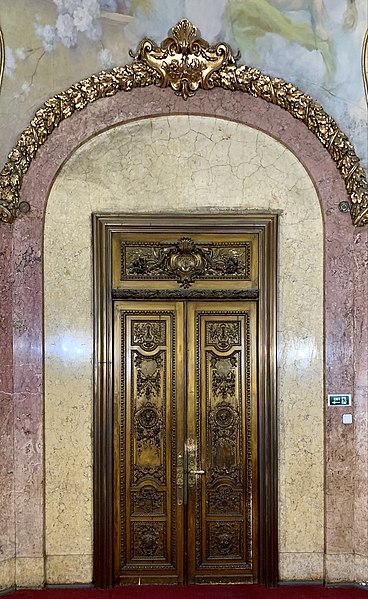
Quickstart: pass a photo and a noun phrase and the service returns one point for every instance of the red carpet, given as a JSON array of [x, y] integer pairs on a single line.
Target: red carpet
[[197, 592]]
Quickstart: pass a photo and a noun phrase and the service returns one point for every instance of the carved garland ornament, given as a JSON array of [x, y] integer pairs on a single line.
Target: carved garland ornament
[[186, 63]]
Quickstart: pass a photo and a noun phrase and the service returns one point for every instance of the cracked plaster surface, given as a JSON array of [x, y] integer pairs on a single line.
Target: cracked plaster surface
[[181, 164]]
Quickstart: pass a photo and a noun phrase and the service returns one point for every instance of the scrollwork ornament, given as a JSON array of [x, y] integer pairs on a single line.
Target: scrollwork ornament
[[185, 62]]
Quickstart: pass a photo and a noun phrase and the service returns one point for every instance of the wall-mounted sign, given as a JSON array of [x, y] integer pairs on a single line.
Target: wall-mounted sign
[[339, 399]]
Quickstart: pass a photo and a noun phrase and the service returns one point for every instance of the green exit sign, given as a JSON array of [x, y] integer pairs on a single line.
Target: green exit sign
[[339, 400]]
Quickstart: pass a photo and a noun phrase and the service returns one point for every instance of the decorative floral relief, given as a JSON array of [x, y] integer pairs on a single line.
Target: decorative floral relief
[[73, 18], [217, 473], [225, 500], [224, 426], [223, 376], [148, 335], [222, 335], [147, 500], [148, 539], [155, 473], [224, 539], [185, 261], [148, 424], [149, 372]]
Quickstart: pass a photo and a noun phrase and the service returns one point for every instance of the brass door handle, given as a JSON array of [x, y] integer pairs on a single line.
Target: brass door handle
[[180, 479], [192, 463]]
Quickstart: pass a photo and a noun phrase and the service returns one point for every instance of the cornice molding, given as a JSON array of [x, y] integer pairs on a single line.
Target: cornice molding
[[185, 62]]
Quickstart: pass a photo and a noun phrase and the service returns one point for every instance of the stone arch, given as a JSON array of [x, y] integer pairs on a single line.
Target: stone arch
[[344, 263], [200, 66]]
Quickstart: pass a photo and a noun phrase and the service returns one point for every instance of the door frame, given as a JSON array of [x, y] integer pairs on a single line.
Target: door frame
[[265, 225]]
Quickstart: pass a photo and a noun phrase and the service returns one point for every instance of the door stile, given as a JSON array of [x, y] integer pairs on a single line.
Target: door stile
[[149, 436], [222, 442]]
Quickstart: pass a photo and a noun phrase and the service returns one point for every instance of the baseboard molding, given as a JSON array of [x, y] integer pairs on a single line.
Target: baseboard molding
[[7, 591], [327, 585], [347, 585], [70, 586], [301, 583]]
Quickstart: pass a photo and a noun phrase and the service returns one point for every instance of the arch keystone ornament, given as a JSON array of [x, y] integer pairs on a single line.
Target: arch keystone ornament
[[185, 62]]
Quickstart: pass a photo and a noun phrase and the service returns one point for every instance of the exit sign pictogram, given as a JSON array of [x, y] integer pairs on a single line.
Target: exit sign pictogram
[[339, 399]]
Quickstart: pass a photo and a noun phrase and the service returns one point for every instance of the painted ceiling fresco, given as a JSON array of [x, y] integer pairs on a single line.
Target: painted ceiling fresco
[[316, 44]]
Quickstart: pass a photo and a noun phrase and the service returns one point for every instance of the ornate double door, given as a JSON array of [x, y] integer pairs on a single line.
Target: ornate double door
[[185, 442]]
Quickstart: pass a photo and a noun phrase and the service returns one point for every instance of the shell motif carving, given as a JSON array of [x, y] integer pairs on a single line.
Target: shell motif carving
[[185, 61]]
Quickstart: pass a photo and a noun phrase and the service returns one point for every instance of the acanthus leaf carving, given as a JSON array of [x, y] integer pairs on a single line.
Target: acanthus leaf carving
[[222, 334], [155, 473], [148, 500], [149, 539], [225, 539]]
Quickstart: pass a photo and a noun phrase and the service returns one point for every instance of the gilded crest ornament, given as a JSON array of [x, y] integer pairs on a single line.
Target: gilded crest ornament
[[185, 261], [185, 62]]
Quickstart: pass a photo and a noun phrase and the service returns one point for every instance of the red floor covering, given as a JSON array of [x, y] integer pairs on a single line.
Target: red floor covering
[[197, 592]]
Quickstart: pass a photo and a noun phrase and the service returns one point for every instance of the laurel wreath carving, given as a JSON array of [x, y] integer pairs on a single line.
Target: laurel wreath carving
[[184, 62]]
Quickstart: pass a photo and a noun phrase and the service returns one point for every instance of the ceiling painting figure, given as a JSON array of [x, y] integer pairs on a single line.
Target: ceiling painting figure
[[300, 22]]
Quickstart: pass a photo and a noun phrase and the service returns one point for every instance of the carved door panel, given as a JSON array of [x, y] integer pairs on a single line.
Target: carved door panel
[[222, 433], [185, 484]]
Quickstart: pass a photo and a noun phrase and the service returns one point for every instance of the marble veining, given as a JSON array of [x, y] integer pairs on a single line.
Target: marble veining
[[345, 308], [177, 164]]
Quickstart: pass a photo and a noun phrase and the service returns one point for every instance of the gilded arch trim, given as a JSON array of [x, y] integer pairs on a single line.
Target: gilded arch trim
[[185, 62]]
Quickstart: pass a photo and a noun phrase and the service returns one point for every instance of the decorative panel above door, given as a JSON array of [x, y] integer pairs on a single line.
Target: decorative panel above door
[[168, 262]]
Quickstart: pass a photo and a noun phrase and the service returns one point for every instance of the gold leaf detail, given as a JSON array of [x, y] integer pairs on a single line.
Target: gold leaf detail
[[185, 62]]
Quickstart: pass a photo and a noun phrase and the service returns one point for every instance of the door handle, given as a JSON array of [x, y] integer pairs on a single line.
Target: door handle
[[191, 449], [180, 479]]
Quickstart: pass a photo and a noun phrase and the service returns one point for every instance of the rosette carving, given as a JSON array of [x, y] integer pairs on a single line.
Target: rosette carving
[[185, 62]]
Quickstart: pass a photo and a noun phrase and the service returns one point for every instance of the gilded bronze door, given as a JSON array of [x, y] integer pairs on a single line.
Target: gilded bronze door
[[185, 442]]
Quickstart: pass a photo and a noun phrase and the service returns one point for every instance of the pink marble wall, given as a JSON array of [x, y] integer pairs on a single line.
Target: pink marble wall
[[7, 518], [345, 307], [28, 393], [361, 394]]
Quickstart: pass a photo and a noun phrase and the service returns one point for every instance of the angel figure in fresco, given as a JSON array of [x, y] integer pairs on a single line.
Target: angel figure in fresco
[[251, 19]]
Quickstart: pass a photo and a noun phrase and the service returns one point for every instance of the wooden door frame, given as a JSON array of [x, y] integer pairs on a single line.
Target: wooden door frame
[[103, 227]]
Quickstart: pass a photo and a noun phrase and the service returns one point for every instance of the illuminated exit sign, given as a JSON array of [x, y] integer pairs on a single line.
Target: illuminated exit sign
[[339, 400]]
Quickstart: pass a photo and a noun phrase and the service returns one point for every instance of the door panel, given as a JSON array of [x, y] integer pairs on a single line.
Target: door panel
[[222, 427], [185, 442], [149, 523]]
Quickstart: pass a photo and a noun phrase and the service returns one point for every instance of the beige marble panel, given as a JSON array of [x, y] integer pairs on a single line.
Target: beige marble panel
[[7, 574], [340, 567], [361, 569], [29, 572], [181, 164], [301, 566], [68, 569]]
